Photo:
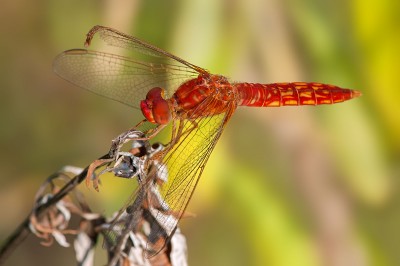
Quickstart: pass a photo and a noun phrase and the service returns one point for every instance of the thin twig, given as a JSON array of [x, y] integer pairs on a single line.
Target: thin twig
[[19, 235]]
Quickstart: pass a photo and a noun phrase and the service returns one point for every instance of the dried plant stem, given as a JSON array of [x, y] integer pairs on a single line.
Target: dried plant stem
[[19, 235]]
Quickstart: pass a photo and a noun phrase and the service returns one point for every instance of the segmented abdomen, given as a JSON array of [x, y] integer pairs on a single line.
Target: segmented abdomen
[[296, 93]]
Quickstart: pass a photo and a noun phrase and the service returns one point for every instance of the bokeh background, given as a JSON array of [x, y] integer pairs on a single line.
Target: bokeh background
[[284, 186]]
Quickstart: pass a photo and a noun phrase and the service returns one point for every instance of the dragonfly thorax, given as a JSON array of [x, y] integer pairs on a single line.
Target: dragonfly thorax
[[194, 95]]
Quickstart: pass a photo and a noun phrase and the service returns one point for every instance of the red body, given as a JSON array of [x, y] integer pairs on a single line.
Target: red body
[[191, 94], [296, 93]]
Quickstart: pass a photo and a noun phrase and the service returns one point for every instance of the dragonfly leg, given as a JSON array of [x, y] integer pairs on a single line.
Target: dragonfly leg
[[178, 131], [151, 133], [140, 124], [183, 132]]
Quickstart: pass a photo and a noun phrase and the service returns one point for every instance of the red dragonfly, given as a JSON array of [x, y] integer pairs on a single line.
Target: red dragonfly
[[170, 90]]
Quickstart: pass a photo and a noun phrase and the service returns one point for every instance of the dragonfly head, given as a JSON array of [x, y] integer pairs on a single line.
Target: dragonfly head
[[155, 108]]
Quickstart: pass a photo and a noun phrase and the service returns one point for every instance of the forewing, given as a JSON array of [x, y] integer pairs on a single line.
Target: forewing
[[116, 38], [117, 77]]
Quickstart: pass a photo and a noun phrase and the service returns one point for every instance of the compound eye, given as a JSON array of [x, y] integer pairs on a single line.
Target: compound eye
[[161, 112], [147, 110], [155, 93], [155, 108]]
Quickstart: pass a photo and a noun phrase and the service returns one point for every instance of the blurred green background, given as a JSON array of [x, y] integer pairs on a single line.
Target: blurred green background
[[284, 186]]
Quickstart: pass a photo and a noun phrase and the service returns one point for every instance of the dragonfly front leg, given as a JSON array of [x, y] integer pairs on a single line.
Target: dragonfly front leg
[[151, 133]]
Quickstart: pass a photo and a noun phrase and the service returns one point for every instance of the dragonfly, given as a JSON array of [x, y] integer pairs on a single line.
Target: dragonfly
[[171, 91]]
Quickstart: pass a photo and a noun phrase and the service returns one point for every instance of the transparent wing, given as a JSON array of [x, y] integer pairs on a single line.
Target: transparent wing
[[124, 79], [119, 78], [185, 164], [116, 38]]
